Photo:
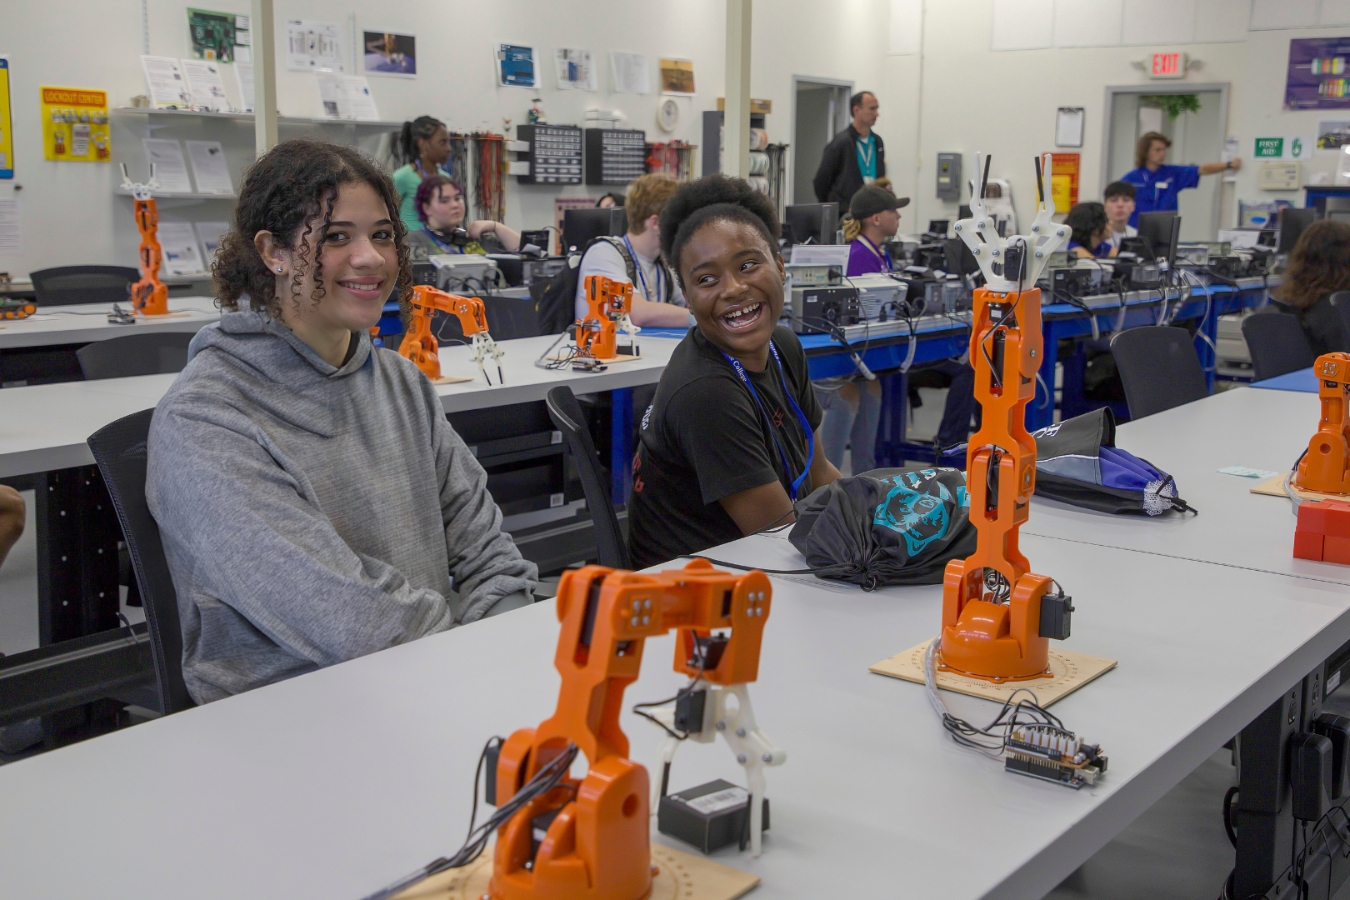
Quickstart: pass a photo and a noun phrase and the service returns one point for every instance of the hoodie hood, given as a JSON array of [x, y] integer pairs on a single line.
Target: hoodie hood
[[262, 343]]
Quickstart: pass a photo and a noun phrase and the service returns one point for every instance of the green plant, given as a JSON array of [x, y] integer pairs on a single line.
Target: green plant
[[1172, 104]]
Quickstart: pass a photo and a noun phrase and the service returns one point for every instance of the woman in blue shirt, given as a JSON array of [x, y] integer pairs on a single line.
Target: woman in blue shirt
[[1158, 184], [1091, 230]]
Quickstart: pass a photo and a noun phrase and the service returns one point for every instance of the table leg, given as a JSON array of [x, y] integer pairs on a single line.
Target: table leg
[[1209, 327], [894, 419], [77, 535], [621, 445]]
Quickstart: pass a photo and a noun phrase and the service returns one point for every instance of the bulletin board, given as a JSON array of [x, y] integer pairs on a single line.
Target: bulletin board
[[6, 124], [1064, 180], [75, 125]]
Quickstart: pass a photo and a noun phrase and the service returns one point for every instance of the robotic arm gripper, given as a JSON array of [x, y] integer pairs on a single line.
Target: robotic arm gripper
[[609, 303], [595, 842], [419, 344], [992, 622]]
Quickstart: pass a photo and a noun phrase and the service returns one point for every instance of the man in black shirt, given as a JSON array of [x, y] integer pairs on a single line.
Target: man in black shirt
[[856, 156], [729, 442]]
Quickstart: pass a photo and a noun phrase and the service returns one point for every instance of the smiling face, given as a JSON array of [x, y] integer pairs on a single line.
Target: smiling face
[[445, 209], [358, 271], [733, 283]]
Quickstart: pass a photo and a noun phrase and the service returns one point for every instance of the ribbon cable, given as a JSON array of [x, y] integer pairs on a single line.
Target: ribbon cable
[[801, 418]]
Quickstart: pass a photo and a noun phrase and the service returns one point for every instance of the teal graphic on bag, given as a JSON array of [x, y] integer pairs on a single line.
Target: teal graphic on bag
[[913, 510]]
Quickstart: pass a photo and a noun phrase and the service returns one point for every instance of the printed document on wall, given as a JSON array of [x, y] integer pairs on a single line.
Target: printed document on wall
[[164, 82], [631, 73], [205, 84], [576, 70], [208, 167], [243, 74], [170, 169], [181, 256], [211, 234], [313, 45], [11, 238]]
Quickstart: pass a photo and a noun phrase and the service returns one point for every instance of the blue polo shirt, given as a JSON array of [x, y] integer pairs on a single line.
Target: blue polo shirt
[[1157, 191]]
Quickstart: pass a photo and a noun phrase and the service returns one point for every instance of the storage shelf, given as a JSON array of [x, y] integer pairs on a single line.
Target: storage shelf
[[248, 117], [194, 195]]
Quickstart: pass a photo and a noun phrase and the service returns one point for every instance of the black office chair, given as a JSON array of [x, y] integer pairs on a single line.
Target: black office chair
[[1159, 368], [119, 450], [1340, 301], [153, 353], [1277, 343], [565, 412], [82, 284]]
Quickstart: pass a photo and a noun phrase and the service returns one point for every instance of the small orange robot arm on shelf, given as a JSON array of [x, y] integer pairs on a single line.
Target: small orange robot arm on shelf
[[1325, 468], [149, 296], [608, 303], [419, 344], [597, 840]]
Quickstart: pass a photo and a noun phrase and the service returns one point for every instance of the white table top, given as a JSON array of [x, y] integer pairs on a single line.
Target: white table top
[[334, 783], [80, 323], [44, 427], [1240, 427]]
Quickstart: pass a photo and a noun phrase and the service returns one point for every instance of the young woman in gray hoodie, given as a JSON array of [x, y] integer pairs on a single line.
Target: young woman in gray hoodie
[[315, 504]]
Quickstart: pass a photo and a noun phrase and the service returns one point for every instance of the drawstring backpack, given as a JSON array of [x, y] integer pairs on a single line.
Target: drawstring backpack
[[1078, 462], [886, 527]]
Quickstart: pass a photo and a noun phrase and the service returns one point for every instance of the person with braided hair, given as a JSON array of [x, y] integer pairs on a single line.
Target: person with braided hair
[[424, 147], [314, 503], [729, 442]]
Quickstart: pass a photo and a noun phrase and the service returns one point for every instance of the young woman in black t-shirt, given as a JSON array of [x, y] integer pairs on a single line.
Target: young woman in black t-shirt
[[729, 441]]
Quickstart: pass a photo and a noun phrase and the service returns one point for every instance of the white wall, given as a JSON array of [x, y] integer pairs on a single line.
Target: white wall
[[70, 215], [1004, 102]]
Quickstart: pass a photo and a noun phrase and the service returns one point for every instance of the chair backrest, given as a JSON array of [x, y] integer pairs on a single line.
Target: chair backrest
[[119, 450], [1340, 301], [1277, 343], [565, 412], [82, 284], [152, 353], [1159, 368]]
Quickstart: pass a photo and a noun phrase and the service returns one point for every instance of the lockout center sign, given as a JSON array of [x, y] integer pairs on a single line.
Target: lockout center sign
[[1064, 169]]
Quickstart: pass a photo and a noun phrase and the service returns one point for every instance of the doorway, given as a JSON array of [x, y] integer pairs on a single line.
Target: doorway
[[819, 112], [1197, 136]]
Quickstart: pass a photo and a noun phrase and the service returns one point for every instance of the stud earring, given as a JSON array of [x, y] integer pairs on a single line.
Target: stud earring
[[278, 268]]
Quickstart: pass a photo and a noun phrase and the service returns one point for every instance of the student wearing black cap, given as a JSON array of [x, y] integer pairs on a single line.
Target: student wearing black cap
[[873, 218]]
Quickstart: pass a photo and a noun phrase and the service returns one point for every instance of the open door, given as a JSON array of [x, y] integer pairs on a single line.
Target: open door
[[820, 111]]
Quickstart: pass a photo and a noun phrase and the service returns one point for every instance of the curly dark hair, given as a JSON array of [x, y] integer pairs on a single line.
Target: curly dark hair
[[1085, 220], [284, 192], [428, 187], [1319, 264], [714, 198]]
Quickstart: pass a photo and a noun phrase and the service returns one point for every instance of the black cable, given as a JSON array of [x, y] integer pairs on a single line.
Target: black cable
[[1228, 814], [640, 708]]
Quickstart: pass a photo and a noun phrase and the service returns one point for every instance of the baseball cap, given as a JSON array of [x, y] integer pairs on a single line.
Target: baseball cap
[[873, 199]]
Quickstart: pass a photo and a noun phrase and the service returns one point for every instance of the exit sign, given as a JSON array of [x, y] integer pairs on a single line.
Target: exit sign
[[1167, 65]]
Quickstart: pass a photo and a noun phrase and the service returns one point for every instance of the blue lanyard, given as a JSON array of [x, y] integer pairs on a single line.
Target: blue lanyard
[[801, 418], [637, 264], [448, 248]]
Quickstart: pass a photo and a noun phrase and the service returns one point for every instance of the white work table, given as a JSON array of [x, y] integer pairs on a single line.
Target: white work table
[[44, 427], [334, 783], [1240, 427], [82, 323]]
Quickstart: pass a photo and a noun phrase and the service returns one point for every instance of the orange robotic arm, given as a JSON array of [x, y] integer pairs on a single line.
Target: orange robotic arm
[[419, 344], [998, 617], [595, 841], [608, 304], [1325, 468], [149, 296]]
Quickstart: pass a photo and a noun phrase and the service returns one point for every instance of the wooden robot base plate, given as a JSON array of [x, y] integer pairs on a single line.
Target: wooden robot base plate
[[1275, 486], [1068, 672], [451, 379], [681, 876]]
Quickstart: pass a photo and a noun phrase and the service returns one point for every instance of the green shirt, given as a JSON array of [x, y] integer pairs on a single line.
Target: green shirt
[[406, 180]]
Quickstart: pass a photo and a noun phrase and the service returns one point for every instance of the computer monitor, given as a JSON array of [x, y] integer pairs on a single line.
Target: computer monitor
[[1161, 231], [938, 227], [960, 260], [1292, 224], [1337, 208], [581, 226], [814, 223]]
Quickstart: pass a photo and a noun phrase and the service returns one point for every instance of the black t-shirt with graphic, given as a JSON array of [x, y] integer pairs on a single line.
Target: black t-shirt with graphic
[[704, 438]]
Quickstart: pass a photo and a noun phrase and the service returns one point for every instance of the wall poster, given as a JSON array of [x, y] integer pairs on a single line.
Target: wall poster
[[387, 53], [1318, 76], [1064, 180], [6, 124], [219, 36], [75, 125], [515, 65]]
